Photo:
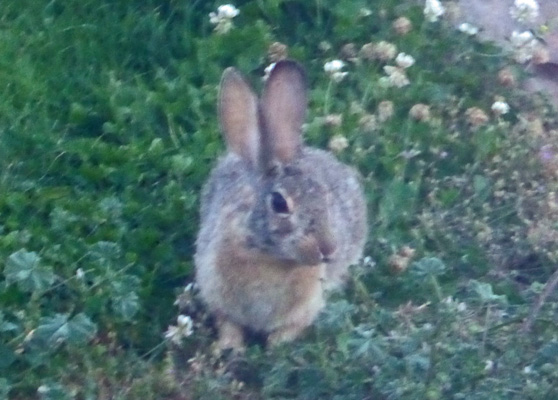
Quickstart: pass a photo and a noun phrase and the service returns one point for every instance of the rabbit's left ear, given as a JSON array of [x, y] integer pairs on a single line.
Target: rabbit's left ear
[[283, 110]]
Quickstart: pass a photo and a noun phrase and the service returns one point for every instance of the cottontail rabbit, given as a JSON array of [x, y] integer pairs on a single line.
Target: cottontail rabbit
[[280, 222]]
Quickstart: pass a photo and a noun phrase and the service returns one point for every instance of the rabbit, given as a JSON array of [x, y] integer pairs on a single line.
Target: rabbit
[[280, 222]]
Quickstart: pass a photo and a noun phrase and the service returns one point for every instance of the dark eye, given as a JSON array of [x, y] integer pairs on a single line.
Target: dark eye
[[278, 203]]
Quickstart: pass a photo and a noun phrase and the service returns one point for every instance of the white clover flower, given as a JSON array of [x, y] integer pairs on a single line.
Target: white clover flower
[[227, 11], [338, 76], [184, 328], [333, 69], [433, 10], [404, 60], [222, 19], [468, 29], [385, 50], [500, 108], [396, 76], [368, 261], [80, 274], [333, 120], [385, 110], [184, 321], [489, 365], [521, 39], [528, 48], [402, 25], [214, 18], [525, 10], [364, 12], [523, 55], [338, 143], [43, 389], [428, 326], [333, 66], [524, 44], [268, 70], [408, 154], [528, 369], [420, 112]]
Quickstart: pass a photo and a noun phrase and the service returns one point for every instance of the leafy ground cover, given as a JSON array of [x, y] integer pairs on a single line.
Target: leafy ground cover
[[108, 130]]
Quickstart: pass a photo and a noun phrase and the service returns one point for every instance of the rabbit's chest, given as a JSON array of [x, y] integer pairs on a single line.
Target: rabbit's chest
[[262, 293]]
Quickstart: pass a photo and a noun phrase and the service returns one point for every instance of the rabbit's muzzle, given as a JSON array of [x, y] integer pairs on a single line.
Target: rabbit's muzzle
[[316, 247]]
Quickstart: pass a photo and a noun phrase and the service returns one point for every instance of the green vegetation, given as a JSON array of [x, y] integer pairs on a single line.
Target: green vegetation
[[108, 130]]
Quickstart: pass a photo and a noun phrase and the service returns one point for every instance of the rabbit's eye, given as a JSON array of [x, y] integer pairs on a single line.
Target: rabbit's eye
[[279, 204]]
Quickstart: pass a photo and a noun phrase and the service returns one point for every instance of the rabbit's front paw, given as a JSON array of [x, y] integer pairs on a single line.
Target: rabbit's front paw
[[231, 336]]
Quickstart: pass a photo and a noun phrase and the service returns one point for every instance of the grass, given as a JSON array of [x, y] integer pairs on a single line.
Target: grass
[[108, 130]]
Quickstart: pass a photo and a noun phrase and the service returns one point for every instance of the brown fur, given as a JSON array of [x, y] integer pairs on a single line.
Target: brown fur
[[257, 266]]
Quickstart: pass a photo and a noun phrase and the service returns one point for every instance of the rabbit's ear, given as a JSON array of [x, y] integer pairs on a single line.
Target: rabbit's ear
[[238, 113], [284, 103]]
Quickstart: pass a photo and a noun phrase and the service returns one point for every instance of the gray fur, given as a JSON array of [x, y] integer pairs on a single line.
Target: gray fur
[[263, 268]]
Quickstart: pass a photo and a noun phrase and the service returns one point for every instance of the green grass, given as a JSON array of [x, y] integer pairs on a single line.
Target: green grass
[[108, 130]]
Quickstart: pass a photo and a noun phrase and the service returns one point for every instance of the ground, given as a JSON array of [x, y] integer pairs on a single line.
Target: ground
[[493, 17]]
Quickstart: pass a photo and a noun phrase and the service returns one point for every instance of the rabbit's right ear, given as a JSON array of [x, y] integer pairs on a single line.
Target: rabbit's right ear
[[238, 113], [283, 109]]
